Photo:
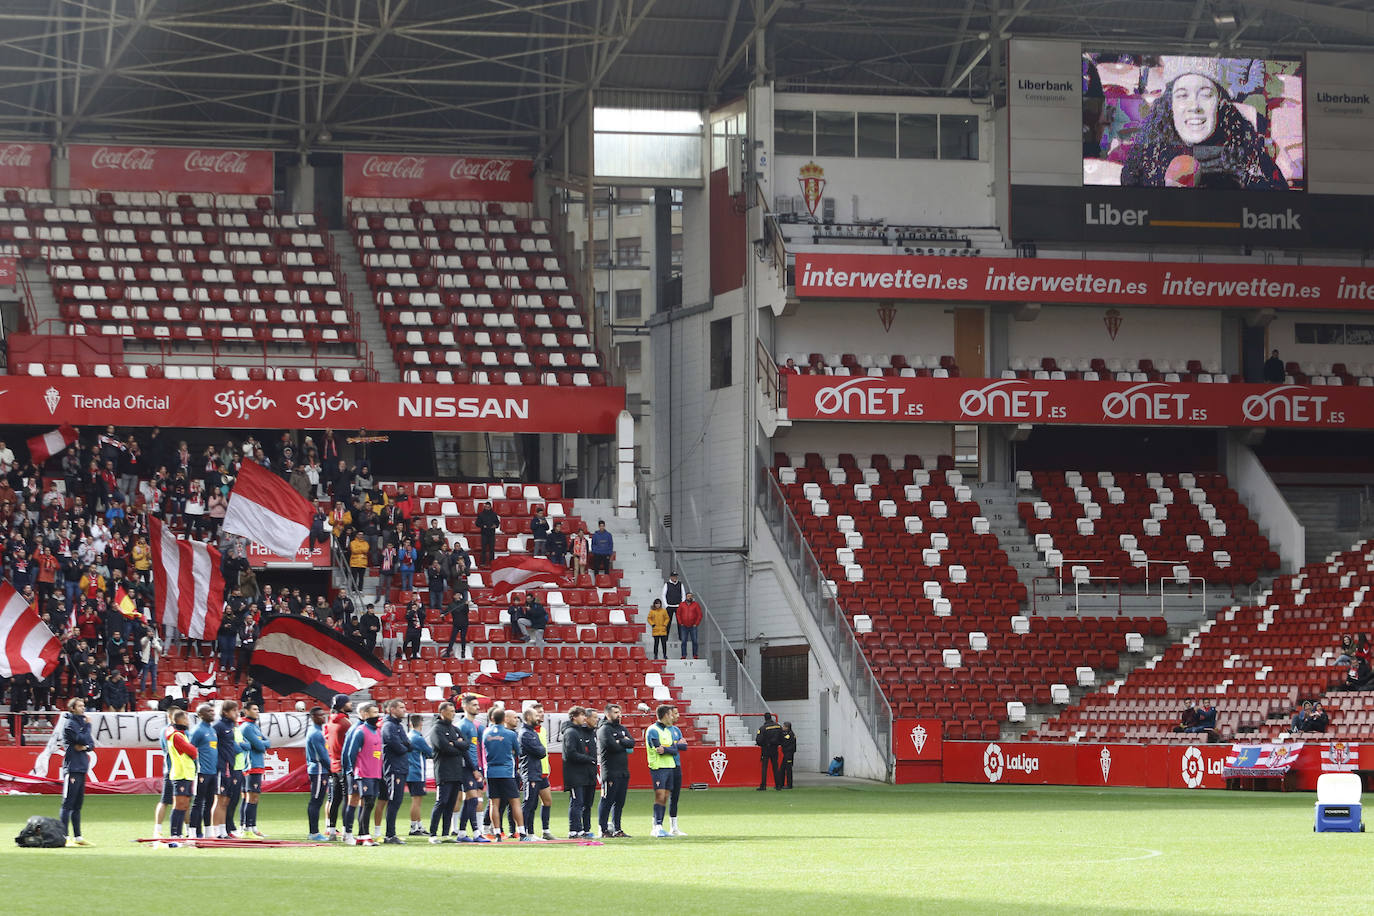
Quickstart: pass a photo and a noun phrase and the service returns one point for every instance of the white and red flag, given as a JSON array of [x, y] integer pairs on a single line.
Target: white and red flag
[[43, 447], [266, 510], [513, 572], [29, 647], [188, 587]]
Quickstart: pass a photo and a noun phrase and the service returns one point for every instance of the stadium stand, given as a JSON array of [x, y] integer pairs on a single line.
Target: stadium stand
[[1256, 662], [473, 293], [875, 364], [946, 635]]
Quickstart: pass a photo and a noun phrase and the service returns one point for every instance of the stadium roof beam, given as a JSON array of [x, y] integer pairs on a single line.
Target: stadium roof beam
[[1339, 17], [112, 58], [1001, 33], [388, 19], [724, 70]]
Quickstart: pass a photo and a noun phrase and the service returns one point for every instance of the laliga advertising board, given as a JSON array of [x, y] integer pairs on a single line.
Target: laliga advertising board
[[1055, 764], [1110, 403]]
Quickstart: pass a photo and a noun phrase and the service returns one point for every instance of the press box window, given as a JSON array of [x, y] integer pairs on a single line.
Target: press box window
[[721, 355], [783, 673], [959, 137], [918, 136], [835, 133], [877, 135], [792, 133]]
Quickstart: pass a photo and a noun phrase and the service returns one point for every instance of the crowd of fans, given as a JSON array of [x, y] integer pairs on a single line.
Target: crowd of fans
[[78, 550]]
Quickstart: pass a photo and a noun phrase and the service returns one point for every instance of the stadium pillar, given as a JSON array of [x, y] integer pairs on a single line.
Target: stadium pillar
[[625, 465], [300, 180]]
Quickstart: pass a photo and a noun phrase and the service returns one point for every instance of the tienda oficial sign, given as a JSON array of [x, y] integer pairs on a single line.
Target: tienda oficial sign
[[880, 276], [1080, 403]]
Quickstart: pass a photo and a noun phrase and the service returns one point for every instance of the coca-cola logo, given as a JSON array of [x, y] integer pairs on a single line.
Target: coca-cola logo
[[481, 169], [16, 156], [133, 159], [394, 167], [1288, 404], [221, 162]]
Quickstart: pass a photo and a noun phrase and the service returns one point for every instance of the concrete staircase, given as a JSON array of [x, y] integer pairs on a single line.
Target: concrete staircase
[[1332, 517], [700, 686], [370, 329], [44, 301]]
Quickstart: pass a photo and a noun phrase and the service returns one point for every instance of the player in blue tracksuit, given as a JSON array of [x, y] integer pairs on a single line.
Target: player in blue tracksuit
[[420, 751], [318, 769], [395, 764], [230, 776], [503, 756], [353, 742], [204, 740], [76, 763], [257, 748]]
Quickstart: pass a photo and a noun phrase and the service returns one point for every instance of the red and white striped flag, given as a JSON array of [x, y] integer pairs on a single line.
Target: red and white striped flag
[[266, 510], [188, 587], [509, 573], [43, 447], [29, 646]]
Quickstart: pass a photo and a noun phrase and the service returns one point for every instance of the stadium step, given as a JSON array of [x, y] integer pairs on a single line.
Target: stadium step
[[1332, 517], [370, 329]]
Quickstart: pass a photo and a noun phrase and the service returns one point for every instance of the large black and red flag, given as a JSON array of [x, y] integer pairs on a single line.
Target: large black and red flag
[[299, 655]]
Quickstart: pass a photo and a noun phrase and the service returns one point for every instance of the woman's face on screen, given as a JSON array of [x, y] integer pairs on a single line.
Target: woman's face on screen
[[1195, 103]]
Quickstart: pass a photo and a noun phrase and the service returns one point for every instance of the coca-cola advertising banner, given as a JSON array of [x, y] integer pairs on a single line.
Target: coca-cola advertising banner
[[8, 271], [917, 740], [167, 168], [903, 277], [291, 405], [25, 165], [1077, 403], [425, 177]]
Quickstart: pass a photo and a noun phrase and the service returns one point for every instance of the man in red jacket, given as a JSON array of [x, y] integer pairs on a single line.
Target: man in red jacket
[[688, 619]]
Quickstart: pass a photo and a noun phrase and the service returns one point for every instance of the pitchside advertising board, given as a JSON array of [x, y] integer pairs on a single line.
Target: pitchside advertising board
[[926, 400], [370, 405], [1160, 147]]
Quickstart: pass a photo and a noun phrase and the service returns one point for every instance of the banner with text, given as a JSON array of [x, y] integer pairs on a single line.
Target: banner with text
[[902, 278], [165, 168], [290, 405], [1054, 764], [438, 177], [313, 556], [1077, 403], [25, 165], [1261, 760]]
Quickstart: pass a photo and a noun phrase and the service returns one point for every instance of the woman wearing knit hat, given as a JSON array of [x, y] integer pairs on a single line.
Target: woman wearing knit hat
[[1194, 137]]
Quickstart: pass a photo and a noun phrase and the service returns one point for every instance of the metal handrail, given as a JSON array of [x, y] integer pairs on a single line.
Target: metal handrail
[[715, 647], [825, 609]]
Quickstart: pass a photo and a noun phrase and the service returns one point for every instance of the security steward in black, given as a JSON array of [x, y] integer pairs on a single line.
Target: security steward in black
[[769, 740], [789, 751]]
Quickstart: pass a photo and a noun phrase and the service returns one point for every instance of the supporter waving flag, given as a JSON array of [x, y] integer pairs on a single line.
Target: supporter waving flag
[[299, 655], [509, 573], [265, 509], [43, 447], [27, 646], [187, 584]]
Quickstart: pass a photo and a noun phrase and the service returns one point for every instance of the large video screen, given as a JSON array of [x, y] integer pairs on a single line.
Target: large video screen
[[1173, 121]]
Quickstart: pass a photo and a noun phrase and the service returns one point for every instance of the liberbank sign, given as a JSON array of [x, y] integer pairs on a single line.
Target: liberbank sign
[[1169, 216]]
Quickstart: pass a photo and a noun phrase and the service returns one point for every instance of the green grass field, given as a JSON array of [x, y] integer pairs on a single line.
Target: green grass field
[[958, 849]]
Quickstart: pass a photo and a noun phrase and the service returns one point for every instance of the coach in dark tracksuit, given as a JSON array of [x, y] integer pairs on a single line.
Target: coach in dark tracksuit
[[450, 755], [76, 735], [395, 765], [579, 771], [614, 743]]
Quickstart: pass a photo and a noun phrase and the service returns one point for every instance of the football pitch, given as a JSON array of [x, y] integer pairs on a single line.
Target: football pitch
[[828, 849]]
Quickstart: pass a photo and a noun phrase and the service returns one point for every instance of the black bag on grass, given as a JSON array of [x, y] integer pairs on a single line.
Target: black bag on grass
[[42, 833]]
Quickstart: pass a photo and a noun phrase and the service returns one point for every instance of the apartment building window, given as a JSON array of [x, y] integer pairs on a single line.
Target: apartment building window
[[629, 354], [629, 207], [676, 256], [628, 252], [628, 304], [601, 253], [721, 354]]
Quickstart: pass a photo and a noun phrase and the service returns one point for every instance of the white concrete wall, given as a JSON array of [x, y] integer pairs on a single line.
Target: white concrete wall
[[1172, 334], [1267, 505], [1282, 337], [918, 329], [929, 440], [902, 191], [696, 246]]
